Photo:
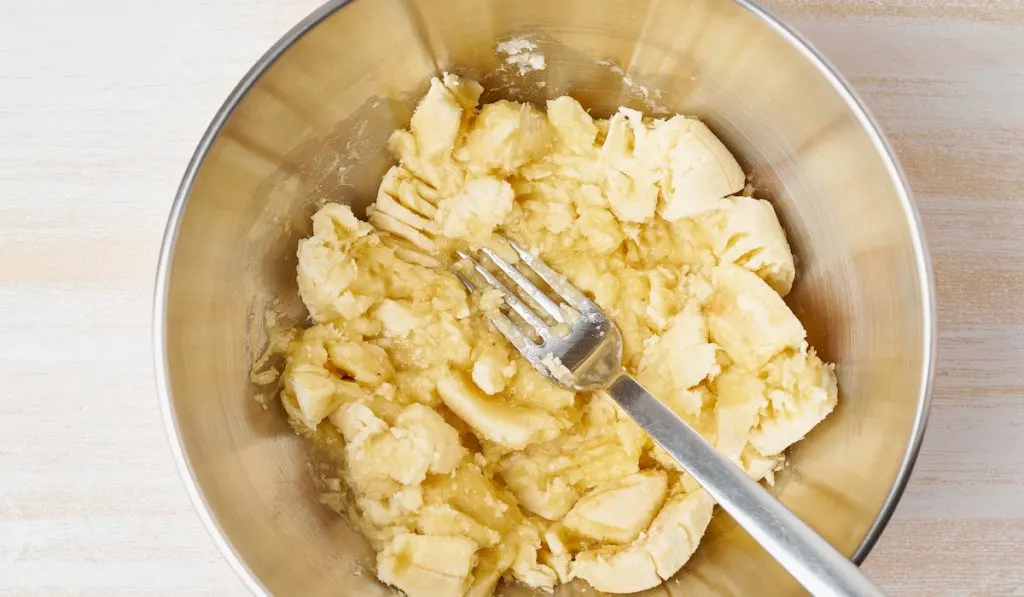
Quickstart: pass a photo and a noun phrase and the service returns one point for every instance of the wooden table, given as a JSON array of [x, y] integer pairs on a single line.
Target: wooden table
[[101, 104]]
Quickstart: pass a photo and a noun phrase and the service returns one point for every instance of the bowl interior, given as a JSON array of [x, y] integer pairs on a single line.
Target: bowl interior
[[310, 124]]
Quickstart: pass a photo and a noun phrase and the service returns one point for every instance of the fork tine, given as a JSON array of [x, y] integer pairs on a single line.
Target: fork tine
[[556, 281], [514, 334], [513, 301], [465, 281], [543, 301]]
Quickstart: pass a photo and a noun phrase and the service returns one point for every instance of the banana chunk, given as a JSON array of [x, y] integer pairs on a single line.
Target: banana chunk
[[654, 557], [529, 387], [748, 319], [400, 508], [473, 214], [505, 136], [435, 122], [631, 181], [493, 363], [442, 519], [700, 172], [419, 442], [619, 512], [747, 232], [548, 478], [428, 565], [741, 396], [575, 128], [398, 319], [489, 374], [312, 376], [446, 447], [802, 392], [510, 426], [679, 359], [326, 273], [471, 492], [547, 496]]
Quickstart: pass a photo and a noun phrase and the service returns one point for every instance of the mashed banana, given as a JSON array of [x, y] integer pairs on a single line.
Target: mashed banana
[[463, 464]]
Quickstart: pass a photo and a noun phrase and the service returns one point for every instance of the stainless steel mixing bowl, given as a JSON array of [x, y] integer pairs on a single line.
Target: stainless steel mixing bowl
[[309, 123]]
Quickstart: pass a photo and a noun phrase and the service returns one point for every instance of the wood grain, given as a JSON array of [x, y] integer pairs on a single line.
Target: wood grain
[[101, 104]]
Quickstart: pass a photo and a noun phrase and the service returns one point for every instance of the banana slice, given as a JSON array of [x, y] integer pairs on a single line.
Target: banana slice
[[436, 121], [547, 496], [420, 384], [425, 150], [700, 171], [505, 136], [411, 192], [365, 362], [445, 446], [747, 232], [387, 222], [469, 491], [436, 345], [618, 512], [678, 360], [530, 388], [315, 394], [493, 362], [419, 442], [632, 198], [655, 556], [401, 508], [428, 565], [630, 181], [387, 204], [442, 519], [326, 270], [548, 478], [399, 454], [311, 376], [398, 318], [619, 140], [677, 530], [802, 392], [748, 319], [613, 571], [465, 91], [473, 214], [494, 420], [741, 396], [575, 128], [358, 423]]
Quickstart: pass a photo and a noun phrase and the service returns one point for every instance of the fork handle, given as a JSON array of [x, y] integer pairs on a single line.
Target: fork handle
[[812, 561]]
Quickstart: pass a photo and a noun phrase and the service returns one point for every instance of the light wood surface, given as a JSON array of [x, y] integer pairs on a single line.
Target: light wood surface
[[101, 104]]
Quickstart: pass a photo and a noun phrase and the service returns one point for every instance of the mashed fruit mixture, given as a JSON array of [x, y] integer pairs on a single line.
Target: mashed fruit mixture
[[461, 463]]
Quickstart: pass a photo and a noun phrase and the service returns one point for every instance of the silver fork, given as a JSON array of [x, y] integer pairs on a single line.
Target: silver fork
[[588, 356]]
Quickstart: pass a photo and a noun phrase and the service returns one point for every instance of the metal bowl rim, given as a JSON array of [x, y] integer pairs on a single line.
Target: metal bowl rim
[[853, 102]]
